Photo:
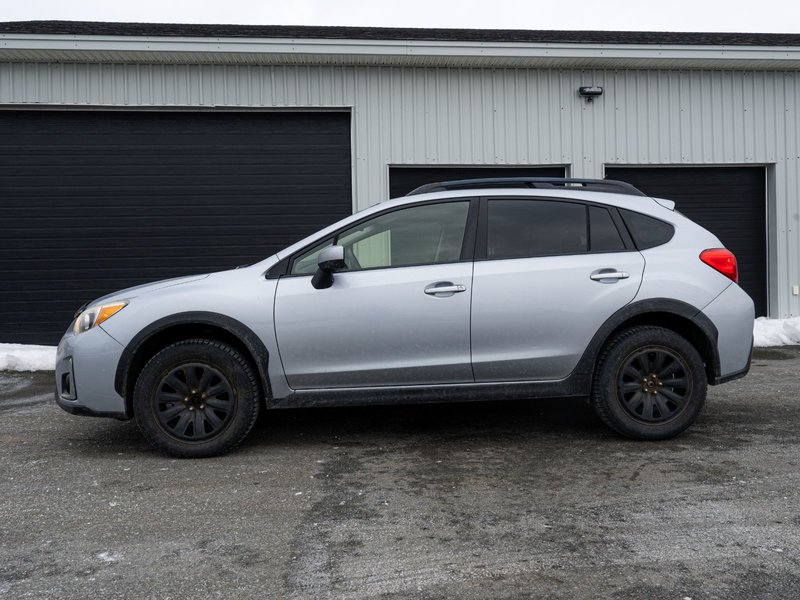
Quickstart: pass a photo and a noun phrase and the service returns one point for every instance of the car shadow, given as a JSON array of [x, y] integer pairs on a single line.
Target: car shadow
[[457, 420], [374, 425]]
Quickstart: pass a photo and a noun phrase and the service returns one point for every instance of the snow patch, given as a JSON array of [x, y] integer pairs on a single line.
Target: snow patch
[[776, 332], [109, 556], [25, 357]]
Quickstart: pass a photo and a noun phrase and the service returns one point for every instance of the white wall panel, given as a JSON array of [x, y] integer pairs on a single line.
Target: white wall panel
[[452, 116]]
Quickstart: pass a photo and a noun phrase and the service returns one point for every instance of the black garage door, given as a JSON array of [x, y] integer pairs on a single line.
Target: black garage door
[[728, 201], [91, 202], [404, 179]]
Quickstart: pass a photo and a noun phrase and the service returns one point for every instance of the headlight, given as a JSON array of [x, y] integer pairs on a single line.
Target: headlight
[[94, 315]]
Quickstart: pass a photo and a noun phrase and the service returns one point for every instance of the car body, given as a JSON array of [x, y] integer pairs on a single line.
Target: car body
[[476, 292]]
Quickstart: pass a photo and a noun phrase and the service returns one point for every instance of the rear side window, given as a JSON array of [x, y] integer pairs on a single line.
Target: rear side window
[[525, 228], [647, 232], [604, 236]]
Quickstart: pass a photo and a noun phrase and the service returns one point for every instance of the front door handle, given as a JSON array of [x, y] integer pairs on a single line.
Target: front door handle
[[444, 289], [603, 274]]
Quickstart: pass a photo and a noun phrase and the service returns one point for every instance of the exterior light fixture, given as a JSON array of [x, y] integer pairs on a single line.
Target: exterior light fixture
[[589, 92]]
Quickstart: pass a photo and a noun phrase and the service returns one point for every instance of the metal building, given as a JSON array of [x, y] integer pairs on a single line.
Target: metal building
[[132, 152]]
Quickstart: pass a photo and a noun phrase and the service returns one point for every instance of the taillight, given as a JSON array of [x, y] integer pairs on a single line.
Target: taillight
[[723, 261]]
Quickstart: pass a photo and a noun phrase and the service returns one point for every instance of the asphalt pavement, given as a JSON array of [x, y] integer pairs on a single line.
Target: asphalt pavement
[[533, 499]]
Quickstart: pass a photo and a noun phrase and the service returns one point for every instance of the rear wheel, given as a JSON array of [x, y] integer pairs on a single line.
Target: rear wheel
[[650, 383], [196, 398]]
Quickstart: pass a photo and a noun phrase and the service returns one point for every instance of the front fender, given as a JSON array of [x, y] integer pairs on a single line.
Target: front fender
[[254, 345]]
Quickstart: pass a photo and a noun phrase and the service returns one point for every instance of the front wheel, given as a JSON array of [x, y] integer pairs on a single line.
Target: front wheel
[[196, 398], [649, 384]]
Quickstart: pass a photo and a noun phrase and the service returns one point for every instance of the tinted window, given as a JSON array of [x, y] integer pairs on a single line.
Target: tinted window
[[520, 228], [646, 231], [604, 234], [425, 234]]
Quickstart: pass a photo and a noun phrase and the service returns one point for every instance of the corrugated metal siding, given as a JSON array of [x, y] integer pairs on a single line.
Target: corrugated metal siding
[[487, 116]]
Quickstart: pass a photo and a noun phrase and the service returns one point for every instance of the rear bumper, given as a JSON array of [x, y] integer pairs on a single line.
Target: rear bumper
[[732, 314], [85, 368], [733, 376]]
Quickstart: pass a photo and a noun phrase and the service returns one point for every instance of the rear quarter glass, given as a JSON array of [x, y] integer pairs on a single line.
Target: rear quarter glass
[[647, 232]]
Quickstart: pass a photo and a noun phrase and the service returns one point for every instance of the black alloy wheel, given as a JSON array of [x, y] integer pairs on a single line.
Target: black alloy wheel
[[194, 402], [654, 384]]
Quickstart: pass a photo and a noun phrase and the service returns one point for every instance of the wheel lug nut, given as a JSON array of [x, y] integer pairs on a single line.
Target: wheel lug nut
[[191, 408], [202, 406]]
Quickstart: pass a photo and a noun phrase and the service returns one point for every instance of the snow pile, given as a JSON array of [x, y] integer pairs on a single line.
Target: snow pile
[[24, 357], [776, 332]]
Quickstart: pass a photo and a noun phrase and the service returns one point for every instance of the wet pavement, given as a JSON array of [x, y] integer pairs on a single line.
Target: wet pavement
[[533, 499]]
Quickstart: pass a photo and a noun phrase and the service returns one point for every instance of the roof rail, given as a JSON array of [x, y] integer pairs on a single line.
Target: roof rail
[[564, 183]]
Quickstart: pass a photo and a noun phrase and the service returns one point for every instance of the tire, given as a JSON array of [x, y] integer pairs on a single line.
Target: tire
[[196, 398], [649, 384]]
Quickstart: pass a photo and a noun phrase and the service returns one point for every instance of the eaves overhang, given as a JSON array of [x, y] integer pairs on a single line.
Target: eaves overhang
[[16, 47]]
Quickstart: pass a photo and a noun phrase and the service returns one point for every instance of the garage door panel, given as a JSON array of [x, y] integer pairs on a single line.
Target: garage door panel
[[728, 201], [97, 201], [18, 247], [224, 154], [183, 177], [167, 224]]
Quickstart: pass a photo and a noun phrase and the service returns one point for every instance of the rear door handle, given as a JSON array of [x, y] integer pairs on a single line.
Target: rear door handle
[[444, 287], [602, 274]]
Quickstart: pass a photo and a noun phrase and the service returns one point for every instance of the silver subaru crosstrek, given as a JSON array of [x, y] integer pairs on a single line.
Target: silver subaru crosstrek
[[462, 290]]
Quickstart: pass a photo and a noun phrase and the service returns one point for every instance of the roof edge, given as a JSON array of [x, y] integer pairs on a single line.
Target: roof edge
[[188, 30]]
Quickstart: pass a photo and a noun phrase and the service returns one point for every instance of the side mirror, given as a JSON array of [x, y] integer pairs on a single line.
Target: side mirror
[[330, 259]]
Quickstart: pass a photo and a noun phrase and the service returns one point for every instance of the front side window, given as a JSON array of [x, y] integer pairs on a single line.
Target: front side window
[[419, 235], [306, 263], [526, 228]]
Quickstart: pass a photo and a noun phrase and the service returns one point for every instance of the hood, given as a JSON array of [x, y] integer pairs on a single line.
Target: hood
[[133, 292]]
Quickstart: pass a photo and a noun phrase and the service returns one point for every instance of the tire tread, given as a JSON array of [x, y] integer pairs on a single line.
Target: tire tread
[[255, 388], [602, 408]]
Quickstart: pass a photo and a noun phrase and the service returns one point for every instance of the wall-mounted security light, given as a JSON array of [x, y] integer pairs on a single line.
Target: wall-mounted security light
[[590, 92]]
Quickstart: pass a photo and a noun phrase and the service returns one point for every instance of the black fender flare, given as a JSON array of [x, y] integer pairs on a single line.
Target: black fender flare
[[239, 330], [585, 369]]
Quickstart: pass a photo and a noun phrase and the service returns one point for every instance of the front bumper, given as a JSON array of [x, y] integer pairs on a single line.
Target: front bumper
[[85, 368]]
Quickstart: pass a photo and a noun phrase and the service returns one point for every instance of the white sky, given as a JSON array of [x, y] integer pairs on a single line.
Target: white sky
[[657, 15]]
